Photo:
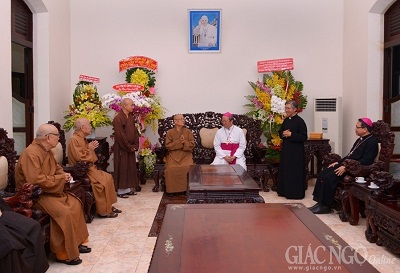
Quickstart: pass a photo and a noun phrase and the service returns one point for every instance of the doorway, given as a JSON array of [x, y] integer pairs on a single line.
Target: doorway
[[391, 83], [22, 74]]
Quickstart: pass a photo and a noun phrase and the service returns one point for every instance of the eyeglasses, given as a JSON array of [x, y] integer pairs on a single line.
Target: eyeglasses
[[57, 135], [179, 119], [358, 127]]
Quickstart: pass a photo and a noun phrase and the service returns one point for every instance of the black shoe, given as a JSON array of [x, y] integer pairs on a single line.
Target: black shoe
[[170, 194], [70, 262], [84, 249], [131, 193], [313, 207], [321, 209]]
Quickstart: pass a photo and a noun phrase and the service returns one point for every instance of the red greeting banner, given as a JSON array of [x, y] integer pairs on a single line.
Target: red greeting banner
[[128, 87], [89, 79], [275, 65], [138, 61]]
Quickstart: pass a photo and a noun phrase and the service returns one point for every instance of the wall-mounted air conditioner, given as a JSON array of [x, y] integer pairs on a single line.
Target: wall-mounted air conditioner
[[328, 119]]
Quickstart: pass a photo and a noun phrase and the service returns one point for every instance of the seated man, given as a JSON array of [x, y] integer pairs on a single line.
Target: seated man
[[38, 166], [21, 248], [229, 143], [102, 182], [364, 150], [180, 142]]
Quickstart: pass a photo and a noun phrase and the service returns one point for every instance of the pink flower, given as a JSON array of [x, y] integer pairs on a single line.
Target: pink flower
[[152, 90]]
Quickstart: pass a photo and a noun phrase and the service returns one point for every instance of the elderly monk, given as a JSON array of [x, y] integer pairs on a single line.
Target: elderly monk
[[38, 166], [126, 143], [229, 143], [102, 182], [180, 142]]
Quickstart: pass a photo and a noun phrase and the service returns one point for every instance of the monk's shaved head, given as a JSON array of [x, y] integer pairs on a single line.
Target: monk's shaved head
[[45, 129], [79, 122]]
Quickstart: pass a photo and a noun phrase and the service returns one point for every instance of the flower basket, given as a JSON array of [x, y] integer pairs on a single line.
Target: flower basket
[[268, 105], [86, 104]]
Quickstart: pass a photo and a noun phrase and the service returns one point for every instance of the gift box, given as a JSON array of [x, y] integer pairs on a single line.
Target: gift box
[[315, 135]]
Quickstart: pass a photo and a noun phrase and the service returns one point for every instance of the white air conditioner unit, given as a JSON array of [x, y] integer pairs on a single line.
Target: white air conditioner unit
[[328, 119]]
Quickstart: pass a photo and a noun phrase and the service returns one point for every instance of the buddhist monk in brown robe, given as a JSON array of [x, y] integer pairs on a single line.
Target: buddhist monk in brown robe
[[102, 182], [126, 143], [38, 166], [180, 142]]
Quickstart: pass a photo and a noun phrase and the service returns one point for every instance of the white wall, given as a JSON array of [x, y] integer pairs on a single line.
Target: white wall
[[5, 69], [309, 31], [336, 46]]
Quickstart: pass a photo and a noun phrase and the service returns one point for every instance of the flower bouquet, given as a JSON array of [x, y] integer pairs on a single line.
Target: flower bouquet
[[147, 156], [268, 105], [147, 105], [86, 104]]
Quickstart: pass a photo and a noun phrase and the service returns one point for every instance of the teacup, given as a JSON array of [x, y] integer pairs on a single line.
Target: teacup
[[360, 179], [373, 185]]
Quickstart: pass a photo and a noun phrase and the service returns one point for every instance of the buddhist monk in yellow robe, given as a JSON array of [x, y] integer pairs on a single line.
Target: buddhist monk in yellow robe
[[102, 182], [38, 166], [179, 142]]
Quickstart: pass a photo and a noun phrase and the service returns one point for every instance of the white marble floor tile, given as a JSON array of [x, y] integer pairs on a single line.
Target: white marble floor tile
[[122, 245]]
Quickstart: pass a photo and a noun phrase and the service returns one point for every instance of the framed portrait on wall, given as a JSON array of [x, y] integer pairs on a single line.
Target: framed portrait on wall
[[204, 30]]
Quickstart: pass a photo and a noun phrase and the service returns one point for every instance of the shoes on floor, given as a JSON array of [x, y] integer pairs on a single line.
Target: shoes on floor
[[321, 209], [110, 215], [70, 262], [122, 195], [116, 210], [313, 207], [170, 194], [84, 249], [131, 193]]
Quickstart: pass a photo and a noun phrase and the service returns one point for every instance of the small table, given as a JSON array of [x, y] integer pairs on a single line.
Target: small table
[[313, 149], [383, 223], [222, 184], [358, 192], [251, 238]]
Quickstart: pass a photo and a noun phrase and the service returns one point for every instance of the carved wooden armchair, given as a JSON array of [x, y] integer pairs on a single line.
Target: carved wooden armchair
[[354, 168]]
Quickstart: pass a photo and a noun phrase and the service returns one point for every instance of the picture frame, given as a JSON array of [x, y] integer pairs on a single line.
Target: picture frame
[[204, 30]]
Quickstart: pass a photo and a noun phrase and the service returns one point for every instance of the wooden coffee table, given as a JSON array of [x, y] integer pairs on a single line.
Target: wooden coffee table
[[251, 238], [222, 184]]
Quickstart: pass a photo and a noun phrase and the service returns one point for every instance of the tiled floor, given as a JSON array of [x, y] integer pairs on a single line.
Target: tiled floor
[[122, 245]]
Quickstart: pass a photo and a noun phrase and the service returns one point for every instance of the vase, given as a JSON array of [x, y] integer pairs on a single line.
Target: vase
[[92, 135]]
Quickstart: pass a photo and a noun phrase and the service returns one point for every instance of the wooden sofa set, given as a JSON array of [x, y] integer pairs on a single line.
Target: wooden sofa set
[[383, 226], [204, 127]]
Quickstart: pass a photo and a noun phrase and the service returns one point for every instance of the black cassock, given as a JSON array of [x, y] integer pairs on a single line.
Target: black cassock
[[292, 171], [21, 243], [364, 150]]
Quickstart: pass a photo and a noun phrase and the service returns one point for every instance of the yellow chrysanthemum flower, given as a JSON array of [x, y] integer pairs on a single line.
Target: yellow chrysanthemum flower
[[276, 140], [140, 77]]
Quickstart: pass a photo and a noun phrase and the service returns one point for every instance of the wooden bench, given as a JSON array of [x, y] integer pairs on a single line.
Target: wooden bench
[[204, 126]]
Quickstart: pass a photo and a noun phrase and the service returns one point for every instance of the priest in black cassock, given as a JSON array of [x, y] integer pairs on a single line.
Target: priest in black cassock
[[21, 243], [292, 171], [364, 150]]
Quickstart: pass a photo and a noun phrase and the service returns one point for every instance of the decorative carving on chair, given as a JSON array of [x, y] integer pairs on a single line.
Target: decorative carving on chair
[[202, 155], [210, 120], [21, 202], [7, 150], [386, 139]]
